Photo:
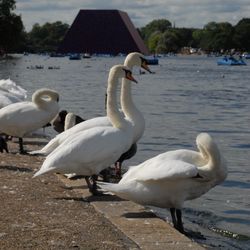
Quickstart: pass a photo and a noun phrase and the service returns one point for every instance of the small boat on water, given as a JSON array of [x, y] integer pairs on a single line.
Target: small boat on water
[[75, 56], [246, 55], [86, 55], [152, 60], [231, 61]]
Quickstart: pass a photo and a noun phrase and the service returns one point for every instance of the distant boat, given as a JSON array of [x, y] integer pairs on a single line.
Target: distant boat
[[246, 55], [152, 60], [86, 55], [231, 61], [75, 56]]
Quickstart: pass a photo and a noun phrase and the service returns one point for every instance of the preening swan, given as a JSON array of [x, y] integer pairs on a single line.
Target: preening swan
[[169, 179], [19, 119], [65, 120], [10, 93], [88, 152], [133, 59]]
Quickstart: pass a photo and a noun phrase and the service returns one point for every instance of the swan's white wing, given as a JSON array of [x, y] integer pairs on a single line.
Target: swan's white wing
[[14, 89], [87, 152], [159, 168], [82, 126], [7, 99], [19, 118]]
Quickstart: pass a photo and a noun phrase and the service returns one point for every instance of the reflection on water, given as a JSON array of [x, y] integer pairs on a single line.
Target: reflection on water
[[186, 96]]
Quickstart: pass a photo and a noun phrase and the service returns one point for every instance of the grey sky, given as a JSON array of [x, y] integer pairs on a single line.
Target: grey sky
[[184, 13]]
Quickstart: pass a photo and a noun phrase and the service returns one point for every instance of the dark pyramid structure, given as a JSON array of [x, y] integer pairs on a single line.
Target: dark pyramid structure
[[102, 32]]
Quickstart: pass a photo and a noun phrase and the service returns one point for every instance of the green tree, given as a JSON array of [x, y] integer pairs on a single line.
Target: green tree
[[169, 42], [47, 37], [217, 36], [242, 34], [11, 27], [160, 25], [153, 41]]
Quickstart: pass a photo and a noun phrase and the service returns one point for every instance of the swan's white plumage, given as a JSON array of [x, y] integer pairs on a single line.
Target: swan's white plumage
[[90, 151], [10, 93], [167, 180], [70, 121], [20, 118], [131, 112]]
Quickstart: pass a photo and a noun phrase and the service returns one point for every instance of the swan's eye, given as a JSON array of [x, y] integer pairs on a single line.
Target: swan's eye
[[127, 72], [128, 75]]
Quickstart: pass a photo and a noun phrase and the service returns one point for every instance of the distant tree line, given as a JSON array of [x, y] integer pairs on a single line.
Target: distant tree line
[[14, 38], [159, 35]]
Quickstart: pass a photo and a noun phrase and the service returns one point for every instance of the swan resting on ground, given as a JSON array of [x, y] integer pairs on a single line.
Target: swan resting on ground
[[19, 119], [169, 179], [133, 59], [65, 120], [88, 152]]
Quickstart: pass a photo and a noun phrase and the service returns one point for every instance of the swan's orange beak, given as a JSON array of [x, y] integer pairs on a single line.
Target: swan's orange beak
[[130, 77]]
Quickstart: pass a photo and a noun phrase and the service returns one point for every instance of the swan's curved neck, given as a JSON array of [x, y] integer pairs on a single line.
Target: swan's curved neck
[[38, 99], [130, 109], [212, 155], [112, 106]]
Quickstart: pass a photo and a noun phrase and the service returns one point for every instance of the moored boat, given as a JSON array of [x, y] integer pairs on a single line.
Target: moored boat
[[86, 55], [75, 56], [152, 60], [230, 61]]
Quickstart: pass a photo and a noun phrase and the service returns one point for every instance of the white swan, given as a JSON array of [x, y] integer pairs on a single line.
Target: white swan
[[19, 119], [71, 120], [10, 93], [133, 59], [90, 151], [130, 110], [169, 179], [65, 120]]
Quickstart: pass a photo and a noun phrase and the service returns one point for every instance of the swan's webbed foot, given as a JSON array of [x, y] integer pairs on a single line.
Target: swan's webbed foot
[[23, 152], [105, 173], [93, 186]]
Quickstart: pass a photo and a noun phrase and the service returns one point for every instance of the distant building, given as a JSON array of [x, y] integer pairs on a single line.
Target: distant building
[[102, 32]]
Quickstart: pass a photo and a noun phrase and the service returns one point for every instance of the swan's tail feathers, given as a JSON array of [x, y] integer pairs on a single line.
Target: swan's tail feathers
[[108, 187], [47, 149], [43, 171]]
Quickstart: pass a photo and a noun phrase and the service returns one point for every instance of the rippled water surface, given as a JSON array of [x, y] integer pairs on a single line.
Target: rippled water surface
[[185, 96]]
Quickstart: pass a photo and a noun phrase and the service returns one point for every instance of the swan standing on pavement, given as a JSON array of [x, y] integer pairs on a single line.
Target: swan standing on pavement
[[133, 59], [88, 152], [19, 119], [169, 179], [130, 110]]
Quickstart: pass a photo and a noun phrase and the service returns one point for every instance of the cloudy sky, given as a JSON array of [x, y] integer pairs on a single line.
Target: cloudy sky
[[184, 13]]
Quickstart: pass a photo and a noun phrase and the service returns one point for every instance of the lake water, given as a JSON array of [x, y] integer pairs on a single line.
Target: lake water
[[186, 95]]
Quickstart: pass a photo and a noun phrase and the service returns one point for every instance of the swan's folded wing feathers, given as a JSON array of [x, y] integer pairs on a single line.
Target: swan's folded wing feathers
[[170, 170]]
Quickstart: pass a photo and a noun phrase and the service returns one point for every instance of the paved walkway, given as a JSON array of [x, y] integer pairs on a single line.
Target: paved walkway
[[53, 212]]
